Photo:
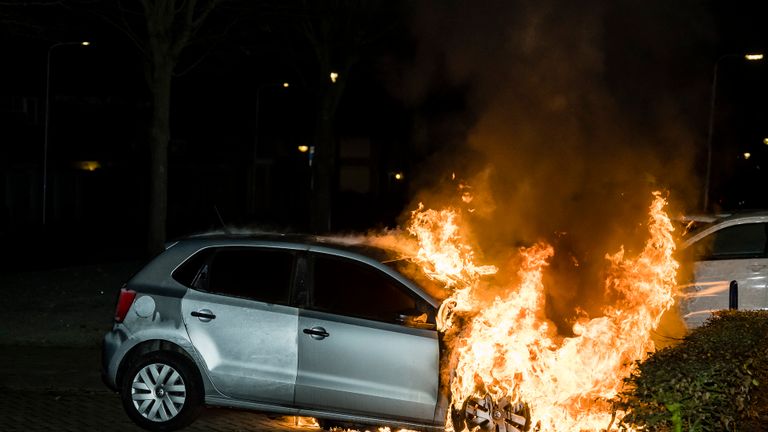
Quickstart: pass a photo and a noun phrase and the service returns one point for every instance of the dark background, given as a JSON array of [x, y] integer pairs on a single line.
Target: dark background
[[412, 102]]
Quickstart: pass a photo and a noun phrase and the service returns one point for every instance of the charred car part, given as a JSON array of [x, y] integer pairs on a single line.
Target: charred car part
[[483, 413]]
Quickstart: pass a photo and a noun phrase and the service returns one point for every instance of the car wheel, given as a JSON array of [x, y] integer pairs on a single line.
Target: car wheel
[[162, 391], [487, 414]]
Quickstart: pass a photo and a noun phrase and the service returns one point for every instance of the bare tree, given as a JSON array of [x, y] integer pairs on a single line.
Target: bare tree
[[337, 31], [23, 18], [170, 26], [161, 29]]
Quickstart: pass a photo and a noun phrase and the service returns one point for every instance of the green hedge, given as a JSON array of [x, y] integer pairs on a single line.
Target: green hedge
[[716, 379]]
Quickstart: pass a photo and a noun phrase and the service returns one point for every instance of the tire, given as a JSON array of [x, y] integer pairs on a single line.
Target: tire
[[162, 391], [489, 415]]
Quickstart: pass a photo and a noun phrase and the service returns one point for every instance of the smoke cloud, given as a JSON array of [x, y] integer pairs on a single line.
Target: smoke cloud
[[575, 112]]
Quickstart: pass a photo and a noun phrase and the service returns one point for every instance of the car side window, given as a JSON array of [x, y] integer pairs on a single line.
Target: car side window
[[252, 273], [189, 272], [349, 288], [734, 242]]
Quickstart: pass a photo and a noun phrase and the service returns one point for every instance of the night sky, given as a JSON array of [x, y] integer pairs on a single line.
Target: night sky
[[553, 110]]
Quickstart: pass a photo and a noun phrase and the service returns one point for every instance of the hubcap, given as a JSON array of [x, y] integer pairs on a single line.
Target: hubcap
[[158, 392], [486, 414]]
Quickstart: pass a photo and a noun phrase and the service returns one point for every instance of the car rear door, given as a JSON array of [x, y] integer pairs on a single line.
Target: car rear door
[[355, 356], [732, 254], [239, 320]]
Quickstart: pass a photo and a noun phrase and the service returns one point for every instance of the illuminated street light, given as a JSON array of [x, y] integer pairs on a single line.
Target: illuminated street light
[[87, 165], [752, 57], [747, 155], [258, 107], [334, 77], [765, 141], [303, 148], [397, 175], [47, 116]]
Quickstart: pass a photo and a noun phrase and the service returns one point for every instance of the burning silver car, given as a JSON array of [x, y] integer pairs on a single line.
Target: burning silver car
[[294, 326]]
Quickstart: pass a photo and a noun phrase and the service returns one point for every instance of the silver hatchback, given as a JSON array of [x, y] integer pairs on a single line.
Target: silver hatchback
[[293, 326]]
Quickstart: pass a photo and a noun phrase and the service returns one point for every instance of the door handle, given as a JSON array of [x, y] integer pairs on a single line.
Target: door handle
[[316, 333], [203, 315]]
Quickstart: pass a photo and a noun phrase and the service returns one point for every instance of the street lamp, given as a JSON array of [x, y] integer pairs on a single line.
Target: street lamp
[[256, 119], [712, 99], [47, 116]]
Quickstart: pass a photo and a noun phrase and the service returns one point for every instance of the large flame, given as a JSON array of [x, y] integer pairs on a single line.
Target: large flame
[[507, 347]]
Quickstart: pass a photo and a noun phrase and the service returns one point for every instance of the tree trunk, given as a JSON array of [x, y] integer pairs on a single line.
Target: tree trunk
[[169, 24], [324, 169], [159, 137]]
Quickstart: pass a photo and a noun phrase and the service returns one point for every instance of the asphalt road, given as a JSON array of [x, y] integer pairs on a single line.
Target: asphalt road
[[50, 361], [59, 389]]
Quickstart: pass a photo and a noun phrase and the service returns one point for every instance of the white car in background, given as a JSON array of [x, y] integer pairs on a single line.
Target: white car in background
[[729, 257]]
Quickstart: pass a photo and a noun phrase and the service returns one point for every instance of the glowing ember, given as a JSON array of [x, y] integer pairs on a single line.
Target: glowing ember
[[306, 422], [509, 351]]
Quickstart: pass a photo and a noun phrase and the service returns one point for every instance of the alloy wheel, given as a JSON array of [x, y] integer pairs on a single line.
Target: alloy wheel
[[158, 392]]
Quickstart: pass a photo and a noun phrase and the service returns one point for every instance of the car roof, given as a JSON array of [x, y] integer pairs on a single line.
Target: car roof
[[744, 214], [347, 246], [348, 243], [719, 217], [726, 220]]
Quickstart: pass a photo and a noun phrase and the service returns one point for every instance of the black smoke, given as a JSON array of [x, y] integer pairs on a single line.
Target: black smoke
[[573, 113]]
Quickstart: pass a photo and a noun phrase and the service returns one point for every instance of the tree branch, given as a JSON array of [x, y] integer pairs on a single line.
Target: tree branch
[[31, 3], [123, 26]]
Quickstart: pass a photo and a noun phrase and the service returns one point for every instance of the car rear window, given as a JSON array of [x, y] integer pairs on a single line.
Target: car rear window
[[185, 274], [246, 272]]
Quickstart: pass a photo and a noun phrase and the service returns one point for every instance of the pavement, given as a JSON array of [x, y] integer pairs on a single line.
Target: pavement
[[78, 411], [50, 380]]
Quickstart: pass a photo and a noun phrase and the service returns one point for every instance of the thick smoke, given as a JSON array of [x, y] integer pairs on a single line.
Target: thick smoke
[[576, 112]]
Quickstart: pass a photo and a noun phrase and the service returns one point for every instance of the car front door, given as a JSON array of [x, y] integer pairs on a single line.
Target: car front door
[[356, 353], [238, 319], [733, 254]]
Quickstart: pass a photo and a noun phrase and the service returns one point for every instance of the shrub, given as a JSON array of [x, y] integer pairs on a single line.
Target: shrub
[[714, 380]]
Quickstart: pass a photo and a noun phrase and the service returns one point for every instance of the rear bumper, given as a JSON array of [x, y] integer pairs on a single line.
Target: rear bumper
[[110, 356]]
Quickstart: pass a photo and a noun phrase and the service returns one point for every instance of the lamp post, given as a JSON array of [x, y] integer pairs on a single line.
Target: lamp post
[[710, 129], [47, 116]]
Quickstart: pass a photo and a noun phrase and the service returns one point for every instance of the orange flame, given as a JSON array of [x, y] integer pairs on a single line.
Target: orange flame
[[442, 254], [511, 350]]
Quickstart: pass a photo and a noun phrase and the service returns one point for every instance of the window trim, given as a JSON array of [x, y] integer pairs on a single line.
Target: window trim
[[310, 277], [293, 278]]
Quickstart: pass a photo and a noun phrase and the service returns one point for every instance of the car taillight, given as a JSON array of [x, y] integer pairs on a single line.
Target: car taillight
[[124, 302]]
